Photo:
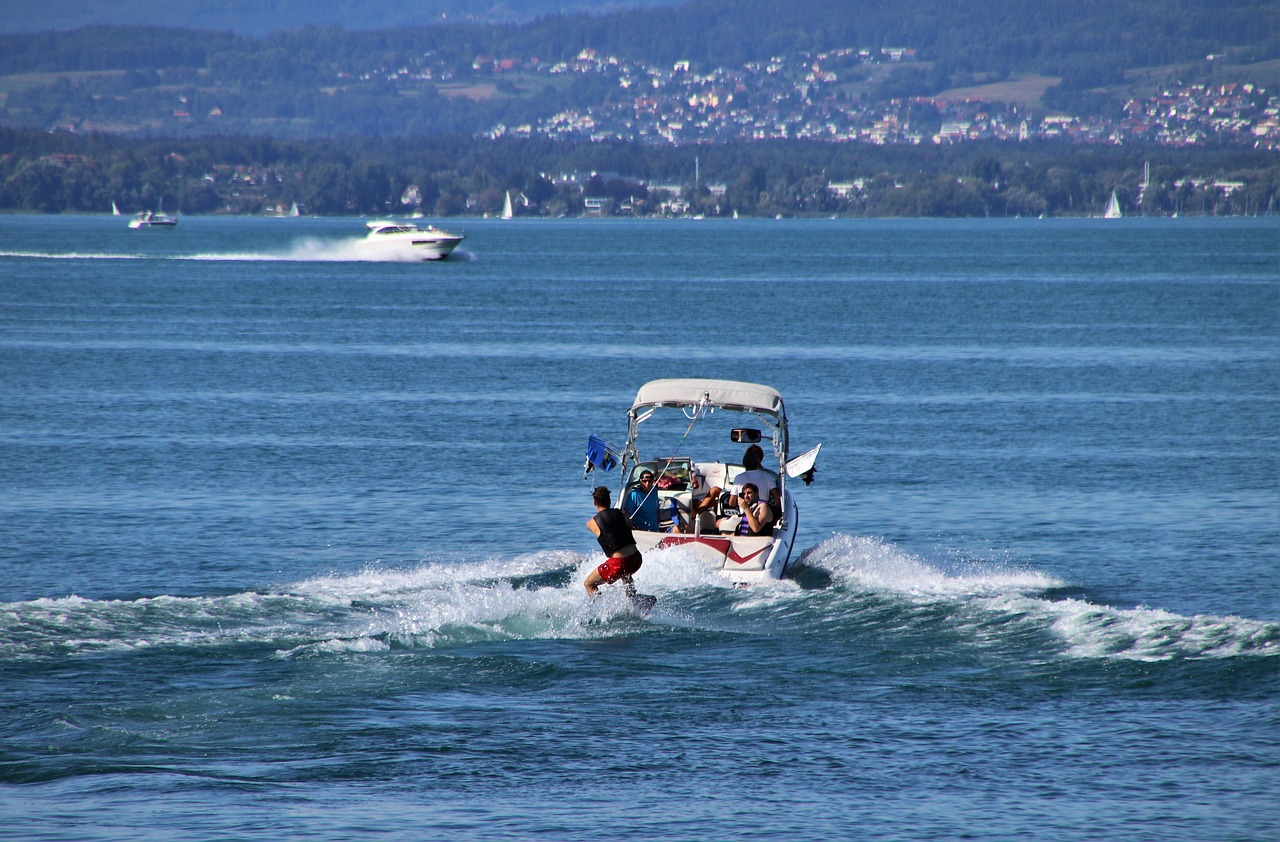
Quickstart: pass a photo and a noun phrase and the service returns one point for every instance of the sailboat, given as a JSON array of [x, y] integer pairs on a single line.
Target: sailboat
[[1113, 208], [507, 211], [115, 211]]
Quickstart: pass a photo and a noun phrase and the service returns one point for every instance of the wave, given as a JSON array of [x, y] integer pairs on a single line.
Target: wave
[[982, 597], [844, 586], [76, 255]]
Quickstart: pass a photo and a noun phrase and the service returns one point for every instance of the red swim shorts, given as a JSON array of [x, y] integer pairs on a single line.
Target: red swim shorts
[[614, 569]]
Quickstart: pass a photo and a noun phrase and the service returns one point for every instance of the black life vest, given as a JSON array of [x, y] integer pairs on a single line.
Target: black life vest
[[615, 531]]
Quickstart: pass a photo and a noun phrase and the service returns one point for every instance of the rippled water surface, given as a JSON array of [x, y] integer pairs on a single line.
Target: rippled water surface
[[291, 543]]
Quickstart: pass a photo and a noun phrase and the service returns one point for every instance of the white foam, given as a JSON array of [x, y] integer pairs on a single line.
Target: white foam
[[1147, 634], [317, 250], [984, 591], [677, 569], [41, 255], [539, 595], [301, 250], [879, 565], [454, 603], [305, 249], [378, 582]]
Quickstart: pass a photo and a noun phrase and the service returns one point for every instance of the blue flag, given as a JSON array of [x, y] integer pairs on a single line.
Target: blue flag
[[601, 454]]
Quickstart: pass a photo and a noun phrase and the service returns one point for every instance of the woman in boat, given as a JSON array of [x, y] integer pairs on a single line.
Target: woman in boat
[[613, 531], [757, 516]]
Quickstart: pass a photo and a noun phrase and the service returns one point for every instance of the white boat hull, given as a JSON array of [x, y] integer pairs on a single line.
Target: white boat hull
[[405, 242], [152, 220], [409, 251], [744, 559]]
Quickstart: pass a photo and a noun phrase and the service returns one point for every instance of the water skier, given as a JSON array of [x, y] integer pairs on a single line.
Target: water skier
[[613, 531]]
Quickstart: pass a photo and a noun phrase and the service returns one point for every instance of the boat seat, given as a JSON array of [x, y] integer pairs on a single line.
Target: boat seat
[[683, 501], [710, 475]]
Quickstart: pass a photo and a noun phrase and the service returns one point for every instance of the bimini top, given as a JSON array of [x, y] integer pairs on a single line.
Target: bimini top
[[722, 394]]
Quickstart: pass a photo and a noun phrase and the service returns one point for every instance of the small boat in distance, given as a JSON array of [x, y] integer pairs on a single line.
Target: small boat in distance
[[148, 219], [280, 211], [389, 240], [688, 518], [1113, 208]]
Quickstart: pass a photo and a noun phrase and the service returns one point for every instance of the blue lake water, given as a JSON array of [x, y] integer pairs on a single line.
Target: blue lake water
[[291, 544]]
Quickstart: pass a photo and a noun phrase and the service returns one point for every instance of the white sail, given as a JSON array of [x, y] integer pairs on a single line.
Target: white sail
[[115, 211], [507, 211], [1113, 208]]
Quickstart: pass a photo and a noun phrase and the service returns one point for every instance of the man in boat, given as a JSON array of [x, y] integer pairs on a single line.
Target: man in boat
[[612, 530], [764, 482], [641, 504]]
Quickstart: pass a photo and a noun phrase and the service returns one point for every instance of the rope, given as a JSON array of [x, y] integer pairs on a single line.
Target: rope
[[702, 404]]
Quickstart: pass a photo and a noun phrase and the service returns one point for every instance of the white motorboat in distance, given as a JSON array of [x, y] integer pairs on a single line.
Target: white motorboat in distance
[[390, 240], [684, 482], [148, 219]]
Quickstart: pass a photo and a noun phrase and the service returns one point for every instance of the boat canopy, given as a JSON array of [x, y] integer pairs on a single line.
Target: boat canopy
[[721, 394]]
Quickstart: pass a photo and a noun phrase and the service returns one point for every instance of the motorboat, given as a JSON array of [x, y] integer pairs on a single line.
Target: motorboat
[[149, 219], [390, 240], [687, 519]]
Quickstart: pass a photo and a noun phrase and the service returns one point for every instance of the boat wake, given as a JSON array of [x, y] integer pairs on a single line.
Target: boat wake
[[996, 603], [318, 250], [303, 250], [76, 255], [846, 587]]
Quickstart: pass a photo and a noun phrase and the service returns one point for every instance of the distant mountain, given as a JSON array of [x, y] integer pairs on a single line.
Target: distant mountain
[[253, 17]]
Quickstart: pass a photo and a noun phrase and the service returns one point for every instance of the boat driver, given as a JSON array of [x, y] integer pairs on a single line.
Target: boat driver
[[641, 504], [762, 479], [613, 531]]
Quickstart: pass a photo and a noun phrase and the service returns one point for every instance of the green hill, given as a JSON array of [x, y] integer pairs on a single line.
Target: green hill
[[1089, 56], [250, 17]]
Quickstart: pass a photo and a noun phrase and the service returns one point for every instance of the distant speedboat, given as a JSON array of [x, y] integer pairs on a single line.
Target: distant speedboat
[[147, 219], [279, 210], [389, 240]]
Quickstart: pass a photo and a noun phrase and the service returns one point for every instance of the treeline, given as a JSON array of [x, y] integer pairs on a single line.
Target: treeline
[[987, 36], [258, 18], [454, 175]]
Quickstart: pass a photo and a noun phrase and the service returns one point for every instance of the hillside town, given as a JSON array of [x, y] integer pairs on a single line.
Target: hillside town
[[807, 98], [840, 97]]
